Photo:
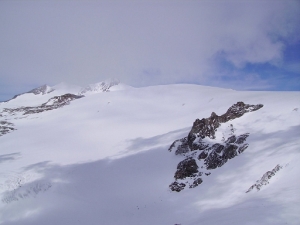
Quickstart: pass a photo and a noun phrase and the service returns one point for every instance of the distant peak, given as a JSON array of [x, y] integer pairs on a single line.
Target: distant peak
[[45, 89], [103, 86]]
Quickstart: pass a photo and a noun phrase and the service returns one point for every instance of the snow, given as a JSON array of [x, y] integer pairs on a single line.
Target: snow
[[31, 99], [100, 87], [104, 159]]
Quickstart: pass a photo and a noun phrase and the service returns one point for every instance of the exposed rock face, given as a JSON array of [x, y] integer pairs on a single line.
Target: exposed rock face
[[196, 182], [219, 154], [207, 127], [202, 155], [6, 127], [265, 179], [52, 103], [62, 100], [175, 186], [186, 168]]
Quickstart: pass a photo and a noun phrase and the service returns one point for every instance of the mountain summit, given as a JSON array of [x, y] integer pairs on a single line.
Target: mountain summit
[[103, 86]]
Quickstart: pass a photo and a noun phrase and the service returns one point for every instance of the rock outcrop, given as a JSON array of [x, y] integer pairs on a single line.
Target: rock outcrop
[[264, 180], [6, 127], [201, 155], [45, 89], [52, 103], [207, 127]]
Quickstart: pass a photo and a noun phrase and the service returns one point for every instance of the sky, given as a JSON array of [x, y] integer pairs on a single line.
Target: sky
[[236, 44]]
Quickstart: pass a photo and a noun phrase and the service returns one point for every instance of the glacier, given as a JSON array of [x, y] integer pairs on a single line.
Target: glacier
[[103, 157]]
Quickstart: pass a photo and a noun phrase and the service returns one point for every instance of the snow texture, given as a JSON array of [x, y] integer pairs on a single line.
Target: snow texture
[[104, 159]]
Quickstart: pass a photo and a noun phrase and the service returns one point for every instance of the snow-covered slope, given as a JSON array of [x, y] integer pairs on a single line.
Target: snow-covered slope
[[103, 86], [42, 94], [39, 95], [104, 159]]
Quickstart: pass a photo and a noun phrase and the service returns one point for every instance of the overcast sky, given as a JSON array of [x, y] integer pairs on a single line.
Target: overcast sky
[[243, 45]]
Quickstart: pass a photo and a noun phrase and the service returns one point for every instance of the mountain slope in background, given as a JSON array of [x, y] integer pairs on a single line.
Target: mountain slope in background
[[103, 158]]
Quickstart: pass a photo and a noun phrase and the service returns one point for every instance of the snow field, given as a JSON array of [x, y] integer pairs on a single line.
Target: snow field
[[106, 159]]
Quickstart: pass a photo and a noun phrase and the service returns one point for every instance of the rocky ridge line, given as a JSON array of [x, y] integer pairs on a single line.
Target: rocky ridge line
[[265, 179], [53, 103], [45, 89]]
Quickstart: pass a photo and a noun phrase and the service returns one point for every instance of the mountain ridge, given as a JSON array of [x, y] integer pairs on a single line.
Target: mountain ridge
[[64, 88]]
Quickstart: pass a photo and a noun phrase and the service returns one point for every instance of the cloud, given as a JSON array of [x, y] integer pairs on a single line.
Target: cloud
[[141, 42]]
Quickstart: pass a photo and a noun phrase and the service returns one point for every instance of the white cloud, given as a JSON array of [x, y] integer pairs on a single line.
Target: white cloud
[[140, 42]]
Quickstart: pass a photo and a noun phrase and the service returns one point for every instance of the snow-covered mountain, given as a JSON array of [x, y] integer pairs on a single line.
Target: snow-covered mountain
[[175, 154], [104, 86]]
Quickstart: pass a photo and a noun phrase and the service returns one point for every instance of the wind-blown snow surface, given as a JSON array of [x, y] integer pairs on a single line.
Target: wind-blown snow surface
[[104, 159]]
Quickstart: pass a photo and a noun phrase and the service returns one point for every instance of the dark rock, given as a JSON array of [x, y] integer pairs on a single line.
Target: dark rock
[[58, 101], [217, 148], [230, 151], [237, 110], [207, 127], [231, 139], [186, 168], [199, 145], [6, 127], [52, 103], [196, 182], [243, 148], [194, 146], [182, 146], [265, 179], [214, 160], [203, 155], [242, 138], [175, 186]]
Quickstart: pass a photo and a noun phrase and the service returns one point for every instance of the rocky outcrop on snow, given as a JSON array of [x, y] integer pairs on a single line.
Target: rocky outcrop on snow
[[59, 101], [264, 180], [207, 127], [201, 155], [218, 154], [52, 103], [99, 87], [6, 127], [186, 168], [26, 191]]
